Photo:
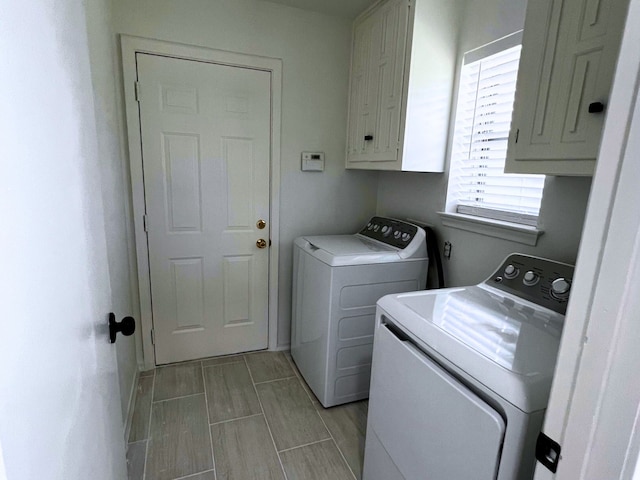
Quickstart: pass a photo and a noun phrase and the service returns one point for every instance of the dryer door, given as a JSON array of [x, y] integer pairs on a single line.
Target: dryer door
[[423, 423]]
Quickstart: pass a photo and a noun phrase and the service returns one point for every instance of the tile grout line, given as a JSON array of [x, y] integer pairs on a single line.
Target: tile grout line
[[220, 364], [192, 475], [206, 402], [300, 379], [265, 419], [276, 380], [305, 445], [146, 451], [178, 398], [234, 419]]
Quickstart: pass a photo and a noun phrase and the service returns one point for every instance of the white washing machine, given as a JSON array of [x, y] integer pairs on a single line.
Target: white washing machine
[[337, 280], [461, 376]]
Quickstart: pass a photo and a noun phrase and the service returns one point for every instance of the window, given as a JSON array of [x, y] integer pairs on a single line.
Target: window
[[477, 184]]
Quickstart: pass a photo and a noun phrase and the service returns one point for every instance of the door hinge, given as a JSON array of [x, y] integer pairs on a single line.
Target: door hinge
[[153, 338], [144, 223], [548, 452], [137, 91]]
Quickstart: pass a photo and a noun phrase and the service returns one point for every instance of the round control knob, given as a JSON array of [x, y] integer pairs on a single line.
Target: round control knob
[[405, 237], [560, 288], [511, 272], [397, 234], [387, 232], [530, 278], [385, 229], [369, 226], [376, 227]]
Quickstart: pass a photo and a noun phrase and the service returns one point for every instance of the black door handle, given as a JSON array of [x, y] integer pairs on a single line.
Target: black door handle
[[368, 137], [126, 327], [596, 107]]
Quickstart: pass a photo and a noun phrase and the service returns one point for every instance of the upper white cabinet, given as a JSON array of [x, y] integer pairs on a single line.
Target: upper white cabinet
[[569, 53], [402, 71]]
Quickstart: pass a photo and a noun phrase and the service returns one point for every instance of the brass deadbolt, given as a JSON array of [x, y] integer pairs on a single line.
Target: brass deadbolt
[[261, 224]]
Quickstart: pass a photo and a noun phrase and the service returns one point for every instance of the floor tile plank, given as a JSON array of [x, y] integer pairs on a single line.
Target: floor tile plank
[[215, 361], [267, 366], [243, 450], [230, 392], [320, 461], [136, 453], [310, 394], [180, 442], [141, 409], [348, 424], [290, 414], [178, 381]]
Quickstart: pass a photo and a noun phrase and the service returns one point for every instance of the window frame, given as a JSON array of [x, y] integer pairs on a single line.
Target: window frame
[[500, 226]]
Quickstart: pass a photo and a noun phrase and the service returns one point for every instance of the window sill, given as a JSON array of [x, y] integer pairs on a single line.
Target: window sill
[[492, 228]]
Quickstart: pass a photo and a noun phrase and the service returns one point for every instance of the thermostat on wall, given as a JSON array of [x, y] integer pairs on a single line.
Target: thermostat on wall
[[312, 161]]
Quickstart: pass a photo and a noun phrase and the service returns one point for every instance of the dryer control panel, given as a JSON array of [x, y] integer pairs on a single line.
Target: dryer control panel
[[539, 280], [390, 231]]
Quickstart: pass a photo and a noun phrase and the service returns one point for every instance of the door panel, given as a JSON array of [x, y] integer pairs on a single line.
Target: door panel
[[205, 139]]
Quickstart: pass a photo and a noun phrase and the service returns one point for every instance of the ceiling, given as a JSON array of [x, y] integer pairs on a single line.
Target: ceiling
[[338, 8]]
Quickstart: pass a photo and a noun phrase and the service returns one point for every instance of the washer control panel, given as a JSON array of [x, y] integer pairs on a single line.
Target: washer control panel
[[541, 281], [392, 232]]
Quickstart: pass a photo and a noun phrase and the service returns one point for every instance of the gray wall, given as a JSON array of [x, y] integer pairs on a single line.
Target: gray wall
[[420, 196], [315, 50]]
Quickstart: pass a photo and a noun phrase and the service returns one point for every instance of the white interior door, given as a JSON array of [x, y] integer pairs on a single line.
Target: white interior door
[[60, 416], [594, 408], [206, 153]]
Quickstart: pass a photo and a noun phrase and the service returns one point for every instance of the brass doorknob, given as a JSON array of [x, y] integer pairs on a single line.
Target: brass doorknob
[[261, 224], [261, 243]]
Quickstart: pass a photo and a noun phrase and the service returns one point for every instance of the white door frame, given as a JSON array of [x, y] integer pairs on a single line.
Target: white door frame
[[132, 45], [594, 409]]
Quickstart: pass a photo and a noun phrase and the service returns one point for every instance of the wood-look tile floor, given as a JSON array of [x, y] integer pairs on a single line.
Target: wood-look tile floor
[[241, 417]]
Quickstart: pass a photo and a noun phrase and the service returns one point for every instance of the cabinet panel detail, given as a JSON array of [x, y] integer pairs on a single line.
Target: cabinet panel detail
[[541, 134], [582, 87]]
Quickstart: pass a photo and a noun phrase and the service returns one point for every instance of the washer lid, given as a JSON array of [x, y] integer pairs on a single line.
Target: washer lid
[[508, 344], [339, 245], [339, 250]]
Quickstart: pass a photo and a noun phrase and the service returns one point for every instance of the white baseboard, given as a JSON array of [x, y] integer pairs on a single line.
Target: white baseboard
[[281, 348], [132, 401]]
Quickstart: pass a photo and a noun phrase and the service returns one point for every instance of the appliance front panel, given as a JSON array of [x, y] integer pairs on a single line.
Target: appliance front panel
[[428, 423]]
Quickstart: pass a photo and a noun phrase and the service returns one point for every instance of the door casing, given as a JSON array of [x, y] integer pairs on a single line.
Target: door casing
[[131, 45]]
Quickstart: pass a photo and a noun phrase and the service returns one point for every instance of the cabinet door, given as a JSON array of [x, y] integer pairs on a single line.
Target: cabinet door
[[362, 99], [568, 59], [378, 64]]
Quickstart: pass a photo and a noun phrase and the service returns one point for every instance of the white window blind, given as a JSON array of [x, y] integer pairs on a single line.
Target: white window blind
[[477, 184]]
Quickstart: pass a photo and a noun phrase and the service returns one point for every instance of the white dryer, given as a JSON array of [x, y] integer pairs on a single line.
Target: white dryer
[[337, 280], [461, 376]]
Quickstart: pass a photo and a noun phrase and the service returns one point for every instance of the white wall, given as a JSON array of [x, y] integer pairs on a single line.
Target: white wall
[[420, 196], [315, 51], [115, 188]]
